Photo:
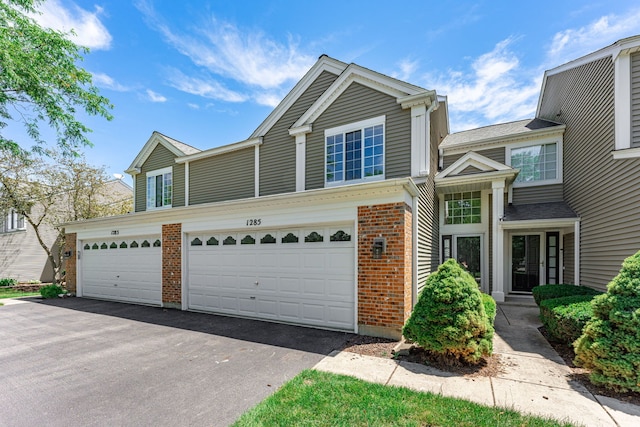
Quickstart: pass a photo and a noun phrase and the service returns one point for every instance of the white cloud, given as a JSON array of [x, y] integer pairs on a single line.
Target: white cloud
[[575, 42], [495, 90], [89, 30], [193, 106], [269, 99], [155, 97], [407, 68], [247, 57], [107, 82], [206, 88]]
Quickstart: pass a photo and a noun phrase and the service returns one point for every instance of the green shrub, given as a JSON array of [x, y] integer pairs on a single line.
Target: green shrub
[[565, 317], [610, 343], [490, 307], [51, 291], [449, 318], [8, 282], [541, 293]]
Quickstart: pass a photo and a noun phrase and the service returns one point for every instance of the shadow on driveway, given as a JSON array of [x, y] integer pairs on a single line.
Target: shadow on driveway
[[276, 334]]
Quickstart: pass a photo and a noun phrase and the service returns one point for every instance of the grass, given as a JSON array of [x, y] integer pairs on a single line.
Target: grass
[[316, 398], [12, 293]]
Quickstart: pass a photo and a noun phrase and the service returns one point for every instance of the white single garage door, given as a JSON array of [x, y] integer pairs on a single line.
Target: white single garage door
[[303, 276], [127, 270]]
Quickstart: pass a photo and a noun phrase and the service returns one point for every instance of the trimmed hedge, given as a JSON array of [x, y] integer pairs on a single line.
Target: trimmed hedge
[[8, 282], [450, 319], [565, 317], [51, 291], [544, 292]]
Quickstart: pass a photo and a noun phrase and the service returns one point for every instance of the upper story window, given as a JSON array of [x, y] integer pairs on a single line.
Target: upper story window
[[159, 188], [355, 152], [539, 164], [463, 208], [12, 221]]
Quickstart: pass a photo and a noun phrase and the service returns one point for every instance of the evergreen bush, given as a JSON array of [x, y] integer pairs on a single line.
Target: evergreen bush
[[610, 343], [490, 307], [450, 318], [8, 282], [545, 292], [565, 317], [51, 291]]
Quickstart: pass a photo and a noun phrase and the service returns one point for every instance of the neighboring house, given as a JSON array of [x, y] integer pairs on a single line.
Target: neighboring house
[[324, 216], [339, 205], [21, 255]]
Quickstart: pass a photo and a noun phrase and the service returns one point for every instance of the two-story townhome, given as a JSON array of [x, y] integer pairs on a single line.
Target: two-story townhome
[[325, 216]]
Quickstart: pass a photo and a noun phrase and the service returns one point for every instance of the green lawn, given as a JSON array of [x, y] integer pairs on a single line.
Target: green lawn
[[11, 293], [321, 399]]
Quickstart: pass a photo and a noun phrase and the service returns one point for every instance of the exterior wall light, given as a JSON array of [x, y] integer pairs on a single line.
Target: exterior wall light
[[379, 246]]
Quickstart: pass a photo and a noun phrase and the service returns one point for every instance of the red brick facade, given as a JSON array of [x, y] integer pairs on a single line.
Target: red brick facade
[[172, 265], [385, 284], [70, 263]]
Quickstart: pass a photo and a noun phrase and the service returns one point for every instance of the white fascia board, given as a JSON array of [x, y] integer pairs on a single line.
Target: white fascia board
[[539, 223], [505, 139], [355, 73], [155, 139], [372, 192], [486, 177], [221, 150], [472, 159], [325, 63]]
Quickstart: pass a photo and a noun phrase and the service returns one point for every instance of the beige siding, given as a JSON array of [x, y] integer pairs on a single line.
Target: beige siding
[[178, 185], [278, 151], [470, 170], [496, 154], [159, 158], [537, 194], [601, 190], [357, 103], [568, 258], [635, 100], [228, 176]]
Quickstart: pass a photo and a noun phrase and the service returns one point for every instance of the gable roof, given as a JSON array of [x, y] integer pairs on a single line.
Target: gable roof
[[489, 170], [176, 147], [473, 160], [406, 93], [500, 132], [324, 63]]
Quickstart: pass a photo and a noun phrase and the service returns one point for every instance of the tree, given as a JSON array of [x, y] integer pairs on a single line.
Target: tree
[[52, 189], [40, 81]]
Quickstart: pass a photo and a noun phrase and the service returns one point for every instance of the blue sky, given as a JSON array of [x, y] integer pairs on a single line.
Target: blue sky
[[208, 72]]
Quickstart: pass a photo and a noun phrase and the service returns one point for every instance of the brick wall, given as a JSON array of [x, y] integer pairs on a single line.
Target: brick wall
[[385, 284], [172, 265], [70, 264]]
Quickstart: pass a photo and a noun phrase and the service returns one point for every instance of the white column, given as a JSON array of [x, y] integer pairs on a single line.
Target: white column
[[622, 90], [301, 159], [419, 146], [576, 254], [498, 240], [186, 183], [256, 168]]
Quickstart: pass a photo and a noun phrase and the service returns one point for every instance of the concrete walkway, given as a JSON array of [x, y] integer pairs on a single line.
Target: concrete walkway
[[535, 379]]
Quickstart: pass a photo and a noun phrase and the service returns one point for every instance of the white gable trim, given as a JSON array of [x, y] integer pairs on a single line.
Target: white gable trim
[[155, 139], [355, 73], [475, 160], [221, 150], [325, 63]]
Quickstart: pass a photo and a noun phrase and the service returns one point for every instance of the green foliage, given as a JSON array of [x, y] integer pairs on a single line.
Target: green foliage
[[449, 318], [610, 344], [40, 81], [565, 317], [51, 291], [490, 307], [8, 282], [541, 293]]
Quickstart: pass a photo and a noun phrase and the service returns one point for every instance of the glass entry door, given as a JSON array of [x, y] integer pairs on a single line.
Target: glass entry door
[[467, 251], [525, 262]]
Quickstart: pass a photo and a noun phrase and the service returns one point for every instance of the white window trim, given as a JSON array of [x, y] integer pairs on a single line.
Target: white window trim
[[4, 225], [146, 183], [381, 120], [557, 141], [622, 112]]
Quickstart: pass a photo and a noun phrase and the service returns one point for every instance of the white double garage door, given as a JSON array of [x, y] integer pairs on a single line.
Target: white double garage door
[[295, 275]]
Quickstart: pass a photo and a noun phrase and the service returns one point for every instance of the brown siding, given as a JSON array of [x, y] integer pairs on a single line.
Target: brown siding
[[159, 158], [496, 154], [602, 191], [278, 151], [228, 176], [357, 103], [568, 258], [635, 100], [537, 194]]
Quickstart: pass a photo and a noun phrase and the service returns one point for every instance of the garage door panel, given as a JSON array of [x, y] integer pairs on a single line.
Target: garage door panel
[[289, 286]]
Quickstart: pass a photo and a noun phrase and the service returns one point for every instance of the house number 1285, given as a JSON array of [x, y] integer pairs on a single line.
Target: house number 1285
[[254, 222]]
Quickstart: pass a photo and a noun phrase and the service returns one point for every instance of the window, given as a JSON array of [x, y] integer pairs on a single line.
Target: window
[[462, 208], [159, 188], [355, 152], [536, 163], [11, 221]]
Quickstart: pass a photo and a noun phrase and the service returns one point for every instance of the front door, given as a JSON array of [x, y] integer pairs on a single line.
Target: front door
[[525, 262], [467, 251]]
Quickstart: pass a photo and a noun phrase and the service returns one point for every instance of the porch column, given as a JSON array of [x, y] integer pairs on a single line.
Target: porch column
[[498, 240]]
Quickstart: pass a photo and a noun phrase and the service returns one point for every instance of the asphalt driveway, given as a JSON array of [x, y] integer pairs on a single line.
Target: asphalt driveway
[[80, 362]]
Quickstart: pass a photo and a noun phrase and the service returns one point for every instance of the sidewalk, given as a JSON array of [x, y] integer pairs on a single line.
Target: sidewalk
[[535, 379]]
